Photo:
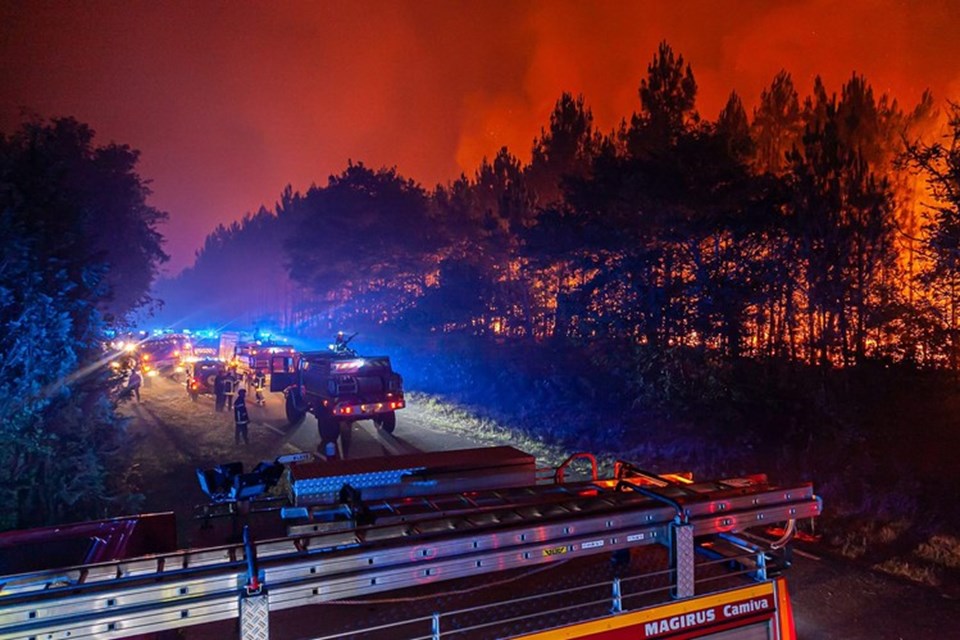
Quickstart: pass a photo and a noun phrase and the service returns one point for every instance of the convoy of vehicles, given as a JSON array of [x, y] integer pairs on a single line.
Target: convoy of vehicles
[[475, 543]]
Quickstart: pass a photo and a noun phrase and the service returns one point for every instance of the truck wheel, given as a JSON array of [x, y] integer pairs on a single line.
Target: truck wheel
[[295, 415], [329, 428], [193, 397], [387, 421]]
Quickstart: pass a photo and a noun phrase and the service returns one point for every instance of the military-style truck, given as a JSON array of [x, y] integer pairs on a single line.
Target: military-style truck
[[337, 386]]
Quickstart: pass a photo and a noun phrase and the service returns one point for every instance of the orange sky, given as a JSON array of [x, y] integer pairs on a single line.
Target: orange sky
[[228, 102]]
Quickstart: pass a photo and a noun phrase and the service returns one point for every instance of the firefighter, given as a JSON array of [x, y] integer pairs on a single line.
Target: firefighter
[[341, 345], [230, 386], [259, 382], [218, 390], [134, 382], [240, 417]]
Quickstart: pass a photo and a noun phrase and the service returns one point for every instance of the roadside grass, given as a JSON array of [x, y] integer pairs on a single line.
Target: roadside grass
[[941, 549], [934, 562], [451, 415]]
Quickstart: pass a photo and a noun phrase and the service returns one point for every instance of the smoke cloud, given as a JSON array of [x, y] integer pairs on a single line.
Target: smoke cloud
[[230, 102]]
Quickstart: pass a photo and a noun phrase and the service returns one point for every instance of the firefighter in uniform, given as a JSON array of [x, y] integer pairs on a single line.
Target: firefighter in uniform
[[259, 382], [241, 418]]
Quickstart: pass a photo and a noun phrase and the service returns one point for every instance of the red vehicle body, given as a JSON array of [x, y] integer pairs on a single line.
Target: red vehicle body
[[86, 543], [256, 355], [164, 353]]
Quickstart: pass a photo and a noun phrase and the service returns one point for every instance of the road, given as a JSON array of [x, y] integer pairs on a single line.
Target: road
[[835, 599], [173, 436]]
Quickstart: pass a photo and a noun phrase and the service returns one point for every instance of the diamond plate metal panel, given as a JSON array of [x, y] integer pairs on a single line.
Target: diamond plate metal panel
[[682, 560], [255, 617]]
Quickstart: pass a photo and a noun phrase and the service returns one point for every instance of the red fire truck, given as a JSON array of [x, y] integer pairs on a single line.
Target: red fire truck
[[256, 354], [462, 544], [164, 353]]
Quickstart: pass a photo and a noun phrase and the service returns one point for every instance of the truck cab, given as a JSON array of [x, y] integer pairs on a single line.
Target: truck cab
[[338, 387]]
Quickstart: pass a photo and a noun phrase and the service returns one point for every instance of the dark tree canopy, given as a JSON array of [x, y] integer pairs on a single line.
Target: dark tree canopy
[[777, 124], [78, 252], [365, 229], [86, 205]]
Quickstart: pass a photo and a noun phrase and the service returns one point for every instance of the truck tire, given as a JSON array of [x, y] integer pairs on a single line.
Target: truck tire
[[295, 414], [329, 431], [386, 421], [328, 427]]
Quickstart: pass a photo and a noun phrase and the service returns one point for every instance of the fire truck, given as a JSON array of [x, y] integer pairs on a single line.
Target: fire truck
[[164, 353], [338, 386], [469, 544], [256, 354]]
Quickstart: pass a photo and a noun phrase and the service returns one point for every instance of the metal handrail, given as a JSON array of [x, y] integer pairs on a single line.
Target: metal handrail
[[384, 627], [617, 600], [559, 474]]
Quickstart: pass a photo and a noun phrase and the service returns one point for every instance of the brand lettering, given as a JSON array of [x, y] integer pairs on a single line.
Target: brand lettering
[[676, 623], [656, 628], [731, 610]]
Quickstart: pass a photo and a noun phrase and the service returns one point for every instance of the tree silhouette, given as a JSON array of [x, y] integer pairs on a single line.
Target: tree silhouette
[[843, 220], [367, 235], [668, 103], [777, 124], [939, 163], [565, 150], [87, 206], [734, 129]]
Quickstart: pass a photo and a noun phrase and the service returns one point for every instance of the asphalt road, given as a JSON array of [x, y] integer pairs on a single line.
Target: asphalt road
[[833, 599]]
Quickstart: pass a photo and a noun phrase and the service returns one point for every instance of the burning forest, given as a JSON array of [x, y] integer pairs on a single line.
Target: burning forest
[[703, 289]]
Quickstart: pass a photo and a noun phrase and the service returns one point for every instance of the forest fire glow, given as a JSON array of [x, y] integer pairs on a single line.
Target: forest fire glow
[[429, 87]]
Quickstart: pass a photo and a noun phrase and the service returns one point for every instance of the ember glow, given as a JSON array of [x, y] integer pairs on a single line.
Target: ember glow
[[230, 102]]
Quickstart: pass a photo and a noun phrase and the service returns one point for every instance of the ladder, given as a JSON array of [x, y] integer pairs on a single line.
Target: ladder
[[411, 541]]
